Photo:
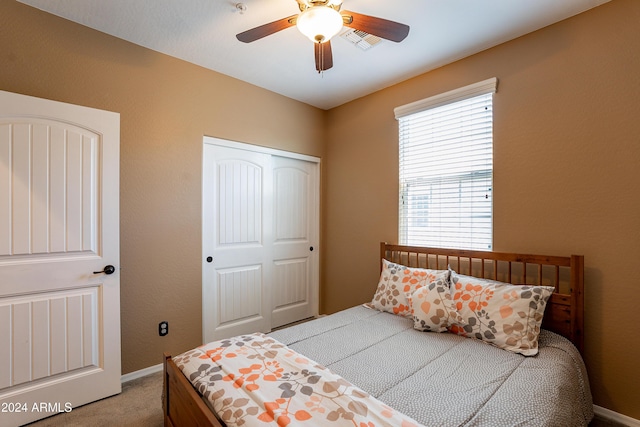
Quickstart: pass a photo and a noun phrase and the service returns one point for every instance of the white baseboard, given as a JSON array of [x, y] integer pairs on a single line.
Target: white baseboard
[[141, 373], [615, 416]]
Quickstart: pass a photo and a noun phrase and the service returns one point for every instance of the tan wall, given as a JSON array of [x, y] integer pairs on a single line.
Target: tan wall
[[166, 106], [567, 175], [567, 151]]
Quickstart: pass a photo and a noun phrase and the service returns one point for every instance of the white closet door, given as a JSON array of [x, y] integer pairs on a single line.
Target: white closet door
[[59, 207], [295, 258], [260, 234], [237, 239]]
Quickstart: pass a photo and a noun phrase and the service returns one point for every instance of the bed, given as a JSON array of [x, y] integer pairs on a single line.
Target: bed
[[395, 369]]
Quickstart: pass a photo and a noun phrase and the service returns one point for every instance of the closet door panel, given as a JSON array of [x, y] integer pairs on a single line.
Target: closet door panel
[[235, 300], [295, 237]]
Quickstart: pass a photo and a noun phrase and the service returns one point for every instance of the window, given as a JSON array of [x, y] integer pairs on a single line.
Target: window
[[446, 169]]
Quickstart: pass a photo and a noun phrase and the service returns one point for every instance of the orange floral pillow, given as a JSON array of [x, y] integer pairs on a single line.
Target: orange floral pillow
[[432, 307], [396, 281], [505, 315]]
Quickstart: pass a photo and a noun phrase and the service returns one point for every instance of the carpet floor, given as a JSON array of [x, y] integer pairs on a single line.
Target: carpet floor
[[139, 405]]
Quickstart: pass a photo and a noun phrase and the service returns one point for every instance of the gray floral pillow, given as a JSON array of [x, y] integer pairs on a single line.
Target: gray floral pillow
[[507, 316], [396, 281], [432, 307]]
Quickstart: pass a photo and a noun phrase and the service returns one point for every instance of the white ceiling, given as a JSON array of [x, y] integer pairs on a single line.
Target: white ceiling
[[203, 32]]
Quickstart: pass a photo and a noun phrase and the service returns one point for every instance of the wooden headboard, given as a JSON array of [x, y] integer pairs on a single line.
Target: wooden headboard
[[564, 314]]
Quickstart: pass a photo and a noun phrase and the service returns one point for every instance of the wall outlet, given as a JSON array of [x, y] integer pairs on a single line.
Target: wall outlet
[[163, 328]]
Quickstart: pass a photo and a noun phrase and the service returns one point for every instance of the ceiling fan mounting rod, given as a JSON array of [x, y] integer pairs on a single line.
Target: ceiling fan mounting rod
[[306, 4]]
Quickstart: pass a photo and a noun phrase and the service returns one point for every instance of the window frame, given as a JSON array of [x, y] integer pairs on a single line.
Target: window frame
[[484, 87]]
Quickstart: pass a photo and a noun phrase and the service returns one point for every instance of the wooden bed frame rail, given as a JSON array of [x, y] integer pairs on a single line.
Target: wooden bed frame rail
[[182, 404], [565, 311]]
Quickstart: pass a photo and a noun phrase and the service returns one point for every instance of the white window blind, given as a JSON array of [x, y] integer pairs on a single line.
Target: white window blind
[[446, 169]]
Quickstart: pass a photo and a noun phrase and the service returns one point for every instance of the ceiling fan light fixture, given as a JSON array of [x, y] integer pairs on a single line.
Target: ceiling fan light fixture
[[319, 23]]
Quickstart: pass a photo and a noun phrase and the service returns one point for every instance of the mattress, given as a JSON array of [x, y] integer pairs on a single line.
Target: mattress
[[445, 379]]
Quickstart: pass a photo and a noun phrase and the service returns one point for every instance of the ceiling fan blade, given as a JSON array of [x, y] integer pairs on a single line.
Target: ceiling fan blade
[[384, 28], [324, 58], [266, 29]]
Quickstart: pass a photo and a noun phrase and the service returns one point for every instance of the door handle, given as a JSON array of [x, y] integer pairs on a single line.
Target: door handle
[[109, 269]]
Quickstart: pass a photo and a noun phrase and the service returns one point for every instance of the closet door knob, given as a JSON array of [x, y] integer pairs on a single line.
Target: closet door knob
[[109, 269]]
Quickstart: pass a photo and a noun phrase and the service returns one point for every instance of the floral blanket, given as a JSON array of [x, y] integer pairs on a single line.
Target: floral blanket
[[254, 380]]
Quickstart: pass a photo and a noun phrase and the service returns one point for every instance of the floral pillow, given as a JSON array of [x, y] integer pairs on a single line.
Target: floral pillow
[[505, 315], [432, 307], [396, 281]]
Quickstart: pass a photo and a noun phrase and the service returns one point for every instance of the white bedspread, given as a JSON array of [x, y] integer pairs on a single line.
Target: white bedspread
[[254, 380]]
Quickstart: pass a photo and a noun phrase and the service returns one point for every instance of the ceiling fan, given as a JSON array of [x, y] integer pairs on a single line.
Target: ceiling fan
[[320, 20]]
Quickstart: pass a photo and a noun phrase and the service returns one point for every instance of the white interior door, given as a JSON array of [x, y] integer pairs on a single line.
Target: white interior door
[[59, 228], [260, 219]]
